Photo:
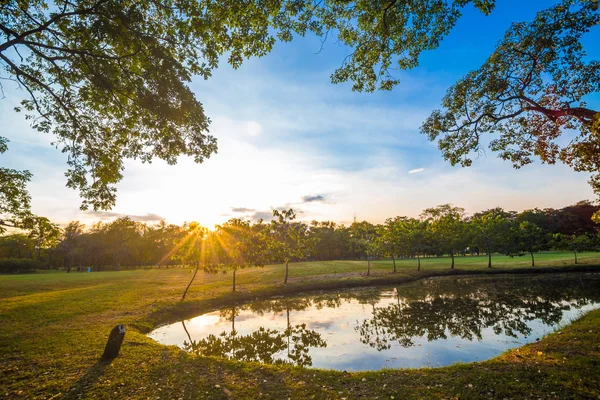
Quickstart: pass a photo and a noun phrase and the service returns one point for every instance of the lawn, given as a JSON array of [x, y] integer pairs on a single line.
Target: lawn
[[53, 327]]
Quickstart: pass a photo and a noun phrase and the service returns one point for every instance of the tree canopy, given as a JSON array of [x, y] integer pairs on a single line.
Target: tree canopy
[[241, 244], [530, 91], [110, 79], [14, 197], [287, 239], [489, 230], [447, 224]]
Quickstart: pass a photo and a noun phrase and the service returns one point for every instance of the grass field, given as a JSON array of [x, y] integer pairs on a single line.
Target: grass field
[[53, 327]]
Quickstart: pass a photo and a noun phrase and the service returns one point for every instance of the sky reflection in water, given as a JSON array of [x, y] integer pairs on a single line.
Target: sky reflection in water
[[434, 322]]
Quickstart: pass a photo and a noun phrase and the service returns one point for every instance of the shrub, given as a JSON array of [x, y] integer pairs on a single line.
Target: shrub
[[18, 265]]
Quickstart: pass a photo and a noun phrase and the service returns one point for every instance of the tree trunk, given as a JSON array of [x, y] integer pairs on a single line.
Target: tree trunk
[[189, 284], [233, 332], [575, 253], [70, 263], [532, 259], [115, 340], [368, 265], [418, 263], [489, 258], [287, 311], [233, 319], [394, 261], [117, 260], [234, 280], [286, 272], [452, 255], [186, 331]]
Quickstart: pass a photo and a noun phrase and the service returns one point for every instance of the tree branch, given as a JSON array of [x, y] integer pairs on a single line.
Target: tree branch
[[18, 39]]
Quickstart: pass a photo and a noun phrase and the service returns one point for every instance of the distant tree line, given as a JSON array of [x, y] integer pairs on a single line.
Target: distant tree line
[[237, 244]]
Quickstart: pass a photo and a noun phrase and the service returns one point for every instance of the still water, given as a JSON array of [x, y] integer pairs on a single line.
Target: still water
[[433, 322]]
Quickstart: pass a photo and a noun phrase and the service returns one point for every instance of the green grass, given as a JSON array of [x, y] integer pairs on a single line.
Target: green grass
[[53, 327]]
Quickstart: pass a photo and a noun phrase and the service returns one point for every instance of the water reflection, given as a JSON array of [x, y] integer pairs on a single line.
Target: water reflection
[[460, 310], [433, 322], [263, 344]]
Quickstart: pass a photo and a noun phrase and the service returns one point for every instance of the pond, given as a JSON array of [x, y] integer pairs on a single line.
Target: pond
[[433, 322]]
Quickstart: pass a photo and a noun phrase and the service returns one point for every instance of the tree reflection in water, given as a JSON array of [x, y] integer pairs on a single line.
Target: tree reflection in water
[[436, 309], [263, 345], [458, 308]]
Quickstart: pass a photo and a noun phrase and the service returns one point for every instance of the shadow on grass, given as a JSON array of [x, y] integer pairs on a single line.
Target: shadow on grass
[[85, 383]]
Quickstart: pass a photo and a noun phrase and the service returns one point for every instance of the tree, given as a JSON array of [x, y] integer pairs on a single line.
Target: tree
[[109, 79], [531, 90], [386, 35], [287, 240], [531, 238], [241, 245], [44, 234], [15, 201], [490, 229], [195, 249], [574, 243], [404, 236], [389, 240], [546, 219], [417, 238], [328, 240], [364, 239], [577, 218], [447, 225], [165, 240], [120, 236], [96, 248], [17, 245], [69, 243]]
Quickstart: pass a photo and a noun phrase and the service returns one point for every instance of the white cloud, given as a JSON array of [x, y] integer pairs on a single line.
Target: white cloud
[[416, 171]]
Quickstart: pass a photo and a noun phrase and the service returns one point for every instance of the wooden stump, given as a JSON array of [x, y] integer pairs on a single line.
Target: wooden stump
[[115, 340]]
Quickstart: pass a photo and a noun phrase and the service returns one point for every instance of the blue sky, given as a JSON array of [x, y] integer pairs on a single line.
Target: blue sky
[[289, 138]]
